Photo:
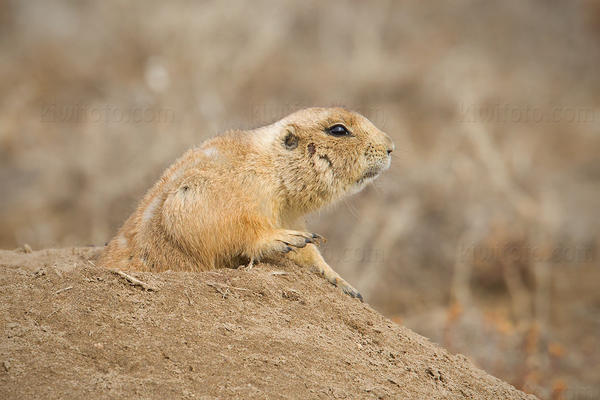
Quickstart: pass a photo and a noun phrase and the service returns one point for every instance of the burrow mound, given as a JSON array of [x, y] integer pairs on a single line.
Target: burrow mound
[[71, 329]]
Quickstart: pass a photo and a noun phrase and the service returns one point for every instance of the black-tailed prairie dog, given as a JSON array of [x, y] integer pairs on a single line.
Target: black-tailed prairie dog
[[241, 197]]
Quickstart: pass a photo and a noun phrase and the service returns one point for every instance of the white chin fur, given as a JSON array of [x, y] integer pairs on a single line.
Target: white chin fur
[[360, 185]]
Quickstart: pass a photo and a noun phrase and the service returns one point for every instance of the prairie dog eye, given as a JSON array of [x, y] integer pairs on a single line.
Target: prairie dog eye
[[338, 130]]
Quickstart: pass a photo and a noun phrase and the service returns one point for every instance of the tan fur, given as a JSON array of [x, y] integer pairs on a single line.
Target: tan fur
[[241, 196]]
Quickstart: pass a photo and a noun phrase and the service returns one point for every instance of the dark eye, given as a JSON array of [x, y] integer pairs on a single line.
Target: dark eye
[[338, 130]]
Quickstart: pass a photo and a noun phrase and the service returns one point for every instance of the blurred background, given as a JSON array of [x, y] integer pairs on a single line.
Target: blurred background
[[483, 236]]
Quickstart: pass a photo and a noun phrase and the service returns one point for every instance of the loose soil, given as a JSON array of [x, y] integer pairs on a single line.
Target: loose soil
[[71, 329]]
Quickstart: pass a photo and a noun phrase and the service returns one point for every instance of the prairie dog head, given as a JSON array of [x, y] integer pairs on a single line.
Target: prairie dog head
[[325, 153]]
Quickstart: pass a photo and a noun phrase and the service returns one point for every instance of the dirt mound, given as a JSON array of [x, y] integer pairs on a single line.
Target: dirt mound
[[71, 330]]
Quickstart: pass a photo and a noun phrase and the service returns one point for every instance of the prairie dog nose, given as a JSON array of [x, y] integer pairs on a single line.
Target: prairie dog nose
[[390, 145]]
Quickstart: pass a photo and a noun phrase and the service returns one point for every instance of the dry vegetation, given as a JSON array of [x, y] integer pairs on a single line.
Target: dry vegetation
[[484, 234]]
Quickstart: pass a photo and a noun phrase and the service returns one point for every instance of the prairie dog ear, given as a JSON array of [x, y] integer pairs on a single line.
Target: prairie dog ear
[[290, 139], [290, 129]]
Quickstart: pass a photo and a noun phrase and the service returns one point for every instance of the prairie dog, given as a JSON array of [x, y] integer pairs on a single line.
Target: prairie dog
[[240, 197]]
